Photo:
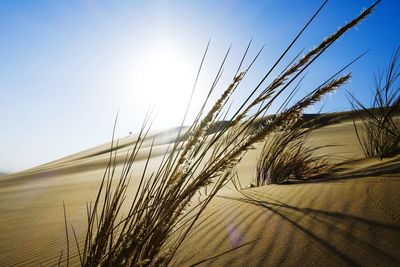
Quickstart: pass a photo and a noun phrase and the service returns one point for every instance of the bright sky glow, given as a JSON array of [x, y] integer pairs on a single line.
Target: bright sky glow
[[163, 77], [67, 67]]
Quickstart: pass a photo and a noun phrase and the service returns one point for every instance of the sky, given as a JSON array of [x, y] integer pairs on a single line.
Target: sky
[[68, 67]]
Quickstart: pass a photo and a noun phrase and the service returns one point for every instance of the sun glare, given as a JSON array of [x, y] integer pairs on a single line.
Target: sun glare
[[164, 79]]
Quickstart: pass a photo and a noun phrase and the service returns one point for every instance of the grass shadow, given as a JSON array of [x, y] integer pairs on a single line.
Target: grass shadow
[[330, 220]]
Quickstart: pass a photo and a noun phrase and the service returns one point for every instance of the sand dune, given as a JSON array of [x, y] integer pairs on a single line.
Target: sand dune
[[348, 221], [350, 218]]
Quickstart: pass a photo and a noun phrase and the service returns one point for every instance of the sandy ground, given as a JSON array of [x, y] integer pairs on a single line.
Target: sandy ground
[[351, 218]]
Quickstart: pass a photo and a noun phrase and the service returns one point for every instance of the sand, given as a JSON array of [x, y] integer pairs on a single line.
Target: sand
[[350, 218]]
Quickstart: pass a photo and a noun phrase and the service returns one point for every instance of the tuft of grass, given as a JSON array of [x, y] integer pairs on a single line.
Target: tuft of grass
[[286, 157], [162, 212], [379, 133]]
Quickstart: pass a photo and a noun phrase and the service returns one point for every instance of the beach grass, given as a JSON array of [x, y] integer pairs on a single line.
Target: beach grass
[[379, 133], [286, 156], [162, 212]]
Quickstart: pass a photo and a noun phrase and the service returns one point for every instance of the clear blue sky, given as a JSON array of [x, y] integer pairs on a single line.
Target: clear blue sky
[[66, 67]]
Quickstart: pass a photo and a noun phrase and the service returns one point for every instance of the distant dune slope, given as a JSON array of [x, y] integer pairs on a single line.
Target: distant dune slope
[[351, 218]]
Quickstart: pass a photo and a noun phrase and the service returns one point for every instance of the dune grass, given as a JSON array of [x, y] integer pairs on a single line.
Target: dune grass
[[379, 133], [286, 156], [162, 212]]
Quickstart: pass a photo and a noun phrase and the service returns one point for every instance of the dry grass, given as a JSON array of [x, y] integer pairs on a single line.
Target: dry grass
[[380, 129], [286, 157], [160, 216]]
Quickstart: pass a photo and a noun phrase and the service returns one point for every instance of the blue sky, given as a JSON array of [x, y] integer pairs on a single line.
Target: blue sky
[[66, 67]]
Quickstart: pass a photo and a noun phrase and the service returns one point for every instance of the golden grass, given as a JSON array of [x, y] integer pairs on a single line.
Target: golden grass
[[286, 157], [380, 130], [160, 216]]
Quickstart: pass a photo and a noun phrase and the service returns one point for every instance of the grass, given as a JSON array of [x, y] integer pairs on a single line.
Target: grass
[[286, 157], [162, 212], [379, 133]]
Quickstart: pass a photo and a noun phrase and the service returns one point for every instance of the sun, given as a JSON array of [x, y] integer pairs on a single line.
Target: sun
[[164, 79]]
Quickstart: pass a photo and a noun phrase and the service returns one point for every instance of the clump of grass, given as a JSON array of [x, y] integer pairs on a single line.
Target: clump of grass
[[161, 214], [286, 157], [379, 133]]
